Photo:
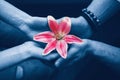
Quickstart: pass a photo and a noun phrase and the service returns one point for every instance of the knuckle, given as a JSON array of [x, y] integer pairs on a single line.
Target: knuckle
[[29, 43]]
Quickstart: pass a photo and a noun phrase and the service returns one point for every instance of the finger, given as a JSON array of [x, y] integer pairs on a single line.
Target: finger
[[33, 49], [37, 53], [39, 44], [60, 62], [63, 62], [70, 58], [51, 57], [50, 60], [19, 73]]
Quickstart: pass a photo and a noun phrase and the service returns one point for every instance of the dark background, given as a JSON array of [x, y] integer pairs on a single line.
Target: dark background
[[57, 8]]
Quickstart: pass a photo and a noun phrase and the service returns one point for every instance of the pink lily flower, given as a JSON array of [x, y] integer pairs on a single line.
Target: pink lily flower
[[57, 39]]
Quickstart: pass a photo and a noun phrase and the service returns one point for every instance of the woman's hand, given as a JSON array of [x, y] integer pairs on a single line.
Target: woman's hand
[[36, 51], [34, 26], [23, 52]]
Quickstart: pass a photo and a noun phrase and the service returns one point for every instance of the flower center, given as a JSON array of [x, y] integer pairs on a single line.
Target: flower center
[[58, 36]]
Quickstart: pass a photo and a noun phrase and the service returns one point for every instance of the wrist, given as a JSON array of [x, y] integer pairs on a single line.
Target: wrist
[[24, 26], [34, 25], [81, 26], [24, 49], [90, 47], [87, 27], [91, 18], [41, 23]]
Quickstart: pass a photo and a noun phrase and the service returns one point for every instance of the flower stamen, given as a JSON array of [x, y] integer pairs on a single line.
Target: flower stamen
[[58, 36]]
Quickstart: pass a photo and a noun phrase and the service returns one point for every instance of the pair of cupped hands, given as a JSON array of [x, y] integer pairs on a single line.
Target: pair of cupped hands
[[63, 49]]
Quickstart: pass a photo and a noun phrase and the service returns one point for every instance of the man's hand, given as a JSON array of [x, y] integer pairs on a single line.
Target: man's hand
[[80, 27], [107, 54], [75, 54]]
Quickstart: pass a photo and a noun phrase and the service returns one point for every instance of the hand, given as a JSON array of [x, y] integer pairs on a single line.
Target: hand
[[35, 51], [75, 54], [80, 27], [34, 26]]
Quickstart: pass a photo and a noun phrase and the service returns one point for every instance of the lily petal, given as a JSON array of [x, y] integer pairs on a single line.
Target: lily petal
[[61, 48], [64, 26], [44, 37], [50, 47], [72, 39], [52, 24]]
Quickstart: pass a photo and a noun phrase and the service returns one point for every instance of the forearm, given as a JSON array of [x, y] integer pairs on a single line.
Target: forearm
[[104, 9], [12, 15], [13, 56], [108, 54]]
